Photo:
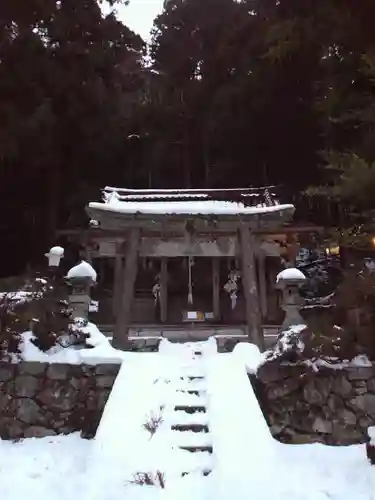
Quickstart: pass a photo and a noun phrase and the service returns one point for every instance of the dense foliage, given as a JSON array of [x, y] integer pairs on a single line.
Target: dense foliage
[[237, 93], [68, 77]]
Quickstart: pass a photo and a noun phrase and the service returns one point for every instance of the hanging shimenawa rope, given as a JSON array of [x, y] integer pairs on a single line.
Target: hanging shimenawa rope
[[190, 294], [156, 289], [231, 286]]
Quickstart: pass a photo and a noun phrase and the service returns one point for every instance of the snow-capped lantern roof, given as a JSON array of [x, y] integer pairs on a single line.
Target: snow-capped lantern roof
[[54, 256], [290, 276], [82, 271], [57, 251]]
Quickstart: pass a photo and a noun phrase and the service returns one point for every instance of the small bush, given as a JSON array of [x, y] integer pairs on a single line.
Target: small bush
[[148, 479], [300, 343], [41, 307], [12, 324], [52, 321]]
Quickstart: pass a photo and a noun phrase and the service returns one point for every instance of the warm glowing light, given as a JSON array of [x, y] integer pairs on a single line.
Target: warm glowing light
[[334, 250], [373, 241]]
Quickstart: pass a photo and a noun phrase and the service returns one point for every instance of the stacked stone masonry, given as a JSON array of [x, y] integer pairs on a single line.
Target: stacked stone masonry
[[41, 399], [332, 406]]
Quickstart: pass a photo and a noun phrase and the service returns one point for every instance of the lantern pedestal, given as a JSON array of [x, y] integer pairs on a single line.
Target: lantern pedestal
[[79, 297], [289, 282]]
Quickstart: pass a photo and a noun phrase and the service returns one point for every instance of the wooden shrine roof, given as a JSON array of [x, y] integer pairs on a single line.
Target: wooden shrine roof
[[247, 196], [153, 208]]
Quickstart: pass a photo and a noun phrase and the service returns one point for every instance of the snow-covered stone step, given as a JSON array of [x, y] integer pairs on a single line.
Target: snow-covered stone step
[[196, 392], [189, 385], [191, 439], [192, 409], [192, 370], [190, 427], [186, 399], [183, 418], [199, 391], [193, 377], [184, 373], [204, 472], [198, 448], [187, 462], [186, 349]]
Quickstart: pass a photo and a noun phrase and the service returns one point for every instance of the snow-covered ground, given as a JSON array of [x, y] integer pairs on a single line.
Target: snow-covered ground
[[56, 468], [246, 462]]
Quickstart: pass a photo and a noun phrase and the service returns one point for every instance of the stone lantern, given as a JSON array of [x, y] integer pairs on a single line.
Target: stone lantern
[[289, 282], [81, 278], [54, 256]]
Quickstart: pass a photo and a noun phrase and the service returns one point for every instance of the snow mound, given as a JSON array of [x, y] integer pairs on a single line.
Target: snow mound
[[100, 350], [95, 337], [82, 270], [56, 354], [249, 355]]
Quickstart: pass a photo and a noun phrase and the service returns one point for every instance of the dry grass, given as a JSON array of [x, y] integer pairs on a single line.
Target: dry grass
[[148, 479], [153, 423]]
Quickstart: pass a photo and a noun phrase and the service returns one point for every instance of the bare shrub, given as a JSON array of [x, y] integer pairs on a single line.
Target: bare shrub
[[296, 344], [39, 306], [12, 324], [149, 479], [160, 477], [153, 423]]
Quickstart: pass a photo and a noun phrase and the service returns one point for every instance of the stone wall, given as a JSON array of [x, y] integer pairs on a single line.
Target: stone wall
[[41, 399], [333, 406]]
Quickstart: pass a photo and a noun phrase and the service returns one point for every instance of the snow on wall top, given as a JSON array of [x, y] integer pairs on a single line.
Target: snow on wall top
[[192, 202]]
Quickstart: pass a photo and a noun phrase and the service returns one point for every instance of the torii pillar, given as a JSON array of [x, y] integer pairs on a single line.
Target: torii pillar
[[249, 282], [129, 274]]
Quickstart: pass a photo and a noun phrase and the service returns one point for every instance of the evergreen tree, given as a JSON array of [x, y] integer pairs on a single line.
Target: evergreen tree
[[235, 93], [68, 77]]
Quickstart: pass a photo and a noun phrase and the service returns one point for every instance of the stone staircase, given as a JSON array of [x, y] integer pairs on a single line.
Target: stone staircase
[[190, 415]]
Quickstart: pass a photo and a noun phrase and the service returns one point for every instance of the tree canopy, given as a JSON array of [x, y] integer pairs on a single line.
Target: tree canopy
[[231, 93], [68, 77]]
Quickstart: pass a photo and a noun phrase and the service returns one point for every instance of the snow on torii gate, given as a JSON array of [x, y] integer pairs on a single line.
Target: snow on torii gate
[[170, 223]]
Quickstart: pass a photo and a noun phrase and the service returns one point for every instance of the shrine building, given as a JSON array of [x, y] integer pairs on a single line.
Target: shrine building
[[189, 259]]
